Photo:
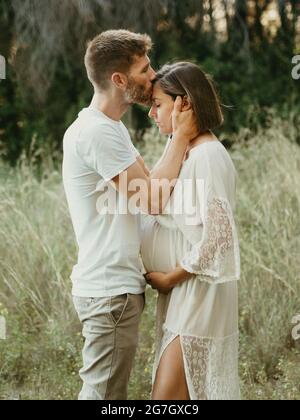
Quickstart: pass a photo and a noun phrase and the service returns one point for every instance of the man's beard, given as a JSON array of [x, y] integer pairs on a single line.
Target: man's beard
[[136, 94]]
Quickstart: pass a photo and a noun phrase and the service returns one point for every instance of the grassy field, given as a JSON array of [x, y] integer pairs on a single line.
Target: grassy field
[[42, 353]]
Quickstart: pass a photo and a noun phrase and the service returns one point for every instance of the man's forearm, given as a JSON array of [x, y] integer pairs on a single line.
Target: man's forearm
[[170, 165], [163, 178]]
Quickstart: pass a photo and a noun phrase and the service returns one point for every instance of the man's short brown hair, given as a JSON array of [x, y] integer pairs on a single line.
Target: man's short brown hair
[[113, 51]]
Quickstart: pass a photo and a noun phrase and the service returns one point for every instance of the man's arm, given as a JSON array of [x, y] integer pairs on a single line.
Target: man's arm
[[141, 161], [153, 196]]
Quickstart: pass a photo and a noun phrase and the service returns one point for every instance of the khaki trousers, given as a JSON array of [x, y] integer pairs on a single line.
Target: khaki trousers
[[110, 329]]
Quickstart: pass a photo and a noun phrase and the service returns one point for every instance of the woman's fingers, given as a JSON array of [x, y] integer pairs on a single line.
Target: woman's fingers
[[148, 280]]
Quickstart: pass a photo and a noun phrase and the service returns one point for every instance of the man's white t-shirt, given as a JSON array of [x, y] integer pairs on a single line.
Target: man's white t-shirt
[[96, 149]]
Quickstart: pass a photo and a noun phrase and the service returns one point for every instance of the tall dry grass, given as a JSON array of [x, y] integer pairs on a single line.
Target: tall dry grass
[[41, 355]]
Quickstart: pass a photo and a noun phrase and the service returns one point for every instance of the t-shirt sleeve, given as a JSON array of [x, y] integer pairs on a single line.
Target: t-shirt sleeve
[[109, 153], [135, 151]]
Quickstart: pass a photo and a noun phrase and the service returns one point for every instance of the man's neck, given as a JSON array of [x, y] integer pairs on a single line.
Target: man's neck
[[112, 106]]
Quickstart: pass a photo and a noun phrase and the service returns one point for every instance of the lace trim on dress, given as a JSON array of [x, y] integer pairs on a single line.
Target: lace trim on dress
[[217, 254], [211, 365]]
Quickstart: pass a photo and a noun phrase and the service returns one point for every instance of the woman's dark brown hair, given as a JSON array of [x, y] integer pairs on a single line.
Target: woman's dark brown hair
[[187, 79]]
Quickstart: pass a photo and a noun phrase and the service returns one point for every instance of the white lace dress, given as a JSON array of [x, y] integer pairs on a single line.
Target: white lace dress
[[203, 311]]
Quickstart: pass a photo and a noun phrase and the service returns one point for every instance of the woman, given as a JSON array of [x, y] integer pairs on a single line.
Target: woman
[[194, 261]]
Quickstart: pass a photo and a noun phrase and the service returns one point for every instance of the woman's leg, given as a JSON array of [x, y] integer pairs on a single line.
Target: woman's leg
[[170, 382]]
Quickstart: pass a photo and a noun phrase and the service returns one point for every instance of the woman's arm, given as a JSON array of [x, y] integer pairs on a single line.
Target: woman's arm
[[178, 276], [164, 282]]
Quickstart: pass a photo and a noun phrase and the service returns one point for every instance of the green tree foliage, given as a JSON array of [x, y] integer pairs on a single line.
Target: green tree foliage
[[247, 45]]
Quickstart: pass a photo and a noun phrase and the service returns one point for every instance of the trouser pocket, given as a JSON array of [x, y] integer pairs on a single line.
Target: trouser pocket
[[110, 329], [118, 305]]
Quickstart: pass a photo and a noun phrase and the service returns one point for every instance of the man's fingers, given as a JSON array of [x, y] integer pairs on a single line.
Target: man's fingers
[[178, 104]]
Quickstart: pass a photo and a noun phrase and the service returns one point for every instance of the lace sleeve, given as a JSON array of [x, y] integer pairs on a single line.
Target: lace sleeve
[[216, 256]]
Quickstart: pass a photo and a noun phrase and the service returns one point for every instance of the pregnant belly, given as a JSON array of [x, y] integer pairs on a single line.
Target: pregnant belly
[[161, 247]]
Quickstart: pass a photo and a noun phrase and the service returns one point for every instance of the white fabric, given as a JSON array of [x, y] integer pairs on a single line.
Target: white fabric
[[96, 149], [203, 311]]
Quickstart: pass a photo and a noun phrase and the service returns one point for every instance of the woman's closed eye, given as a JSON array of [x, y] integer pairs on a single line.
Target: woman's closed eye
[[155, 105]]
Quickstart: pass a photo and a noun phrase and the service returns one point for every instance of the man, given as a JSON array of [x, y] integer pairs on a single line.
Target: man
[[108, 284]]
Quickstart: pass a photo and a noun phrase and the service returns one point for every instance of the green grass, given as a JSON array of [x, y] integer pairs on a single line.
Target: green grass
[[42, 354]]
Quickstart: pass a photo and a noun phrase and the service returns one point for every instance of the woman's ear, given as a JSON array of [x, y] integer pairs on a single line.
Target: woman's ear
[[186, 104]]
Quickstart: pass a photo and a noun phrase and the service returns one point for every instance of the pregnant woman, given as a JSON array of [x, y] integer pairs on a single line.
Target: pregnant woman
[[192, 258]]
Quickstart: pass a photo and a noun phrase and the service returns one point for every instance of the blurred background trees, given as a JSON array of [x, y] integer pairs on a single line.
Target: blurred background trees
[[247, 46]]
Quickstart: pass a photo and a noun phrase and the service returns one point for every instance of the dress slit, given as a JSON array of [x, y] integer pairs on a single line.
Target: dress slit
[[171, 338]]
